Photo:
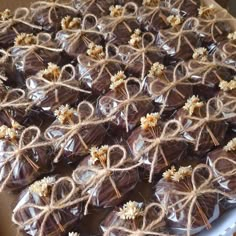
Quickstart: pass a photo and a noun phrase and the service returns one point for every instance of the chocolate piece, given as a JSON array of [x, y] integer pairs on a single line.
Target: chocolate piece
[[150, 144], [125, 101], [106, 175], [75, 131], [48, 207], [189, 196], [24, 156]]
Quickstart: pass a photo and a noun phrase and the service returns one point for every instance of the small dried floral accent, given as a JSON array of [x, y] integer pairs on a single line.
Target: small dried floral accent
[[10, 133], [231, 145], [5, 15], [150, 120], [24, 39], [192, 103], [117, 80], [116, 11], [52, 72], [42, 187], [156, 70], [227, 86], [136, 38], [174, 175], [99, 154], [70, 22], [95, 51], [130, 211], [200, 54], [206, 11], [64, 113], [174, 20], [232, 36], [73, 234], [151, 3]]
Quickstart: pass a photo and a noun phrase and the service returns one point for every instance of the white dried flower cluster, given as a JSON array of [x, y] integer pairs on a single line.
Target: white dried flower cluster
[[206, 10], [10, 133], [52, 73], [227, 86], [151, 3], [174, 175], [24, 39], [156, 70], [232, 36], [64, 113], [70, 22], [150, 120], [95, 51], [73, 234], [200, 54], [174, 20], [42, 187], [5, 15], [231, 145], [117, 80], [136, 38], [99, 154], [116, 11], [192, 103], [130, 211]]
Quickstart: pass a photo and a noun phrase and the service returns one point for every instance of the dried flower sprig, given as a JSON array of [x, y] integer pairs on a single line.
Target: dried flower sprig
[[42, 187], [130, 211], [52, 72], [73, 234], [169, 173], [24, 39], [205, 11], [232, 36], [150, 120], [10, 133], [99, 154], [69, 22], [5, 15], [136, 38], [151, 3], [116, 11], [174, 20], [117, 80], [95, 51], [231, 145], [156, 70], [192, 103], [64, 113], [227, 86], [176, 176], [200, 54]]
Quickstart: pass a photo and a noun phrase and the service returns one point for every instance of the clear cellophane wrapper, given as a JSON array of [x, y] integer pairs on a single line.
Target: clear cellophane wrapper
[[127, 104], [49, 14], [107, 182], [48, 207], [23, 158], [73, 138], [30, 59]]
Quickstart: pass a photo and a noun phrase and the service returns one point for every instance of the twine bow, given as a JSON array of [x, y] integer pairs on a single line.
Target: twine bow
[[18, 152], [229, 52], [4, 56], [86, 4], [58, 201], [146, 228], [100, 173], [74, 127], [153, 146], [112, 106]]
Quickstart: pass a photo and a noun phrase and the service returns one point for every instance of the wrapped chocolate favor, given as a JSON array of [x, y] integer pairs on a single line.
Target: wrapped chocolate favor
[[135, 218], [48, 13], [139, 54], [32, 53], [150, 143], [54, 86], [125, 101], [12, 24], [170, 86], [24, 156], [204, 123], [48, 207], [181, 40], [106, 175], [77, 34], [75, 131], [97, 67], [97, 7], [190, 199], [121, 21]]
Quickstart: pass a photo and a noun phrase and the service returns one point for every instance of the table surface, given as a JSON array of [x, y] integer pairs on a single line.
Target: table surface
[[7, 201]]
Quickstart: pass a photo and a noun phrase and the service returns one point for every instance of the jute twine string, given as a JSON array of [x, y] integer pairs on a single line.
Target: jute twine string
[[65, 201], [100, 174], [127, 102], [73, 128], [86, 4]]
